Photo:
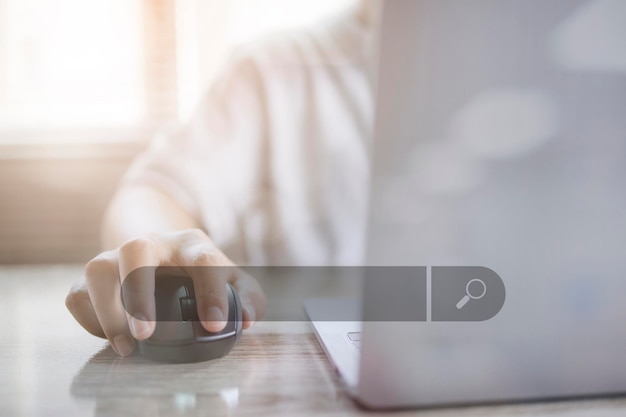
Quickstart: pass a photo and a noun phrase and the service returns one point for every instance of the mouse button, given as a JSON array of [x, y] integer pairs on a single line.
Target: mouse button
[[169, 311], [232, 306], [168, 307], [188, 309], [172, 332]]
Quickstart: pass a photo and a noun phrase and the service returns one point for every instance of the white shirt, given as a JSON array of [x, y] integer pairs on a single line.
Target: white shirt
[[275, 162]]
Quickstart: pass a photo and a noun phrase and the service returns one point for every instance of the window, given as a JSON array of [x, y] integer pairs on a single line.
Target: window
[[70, 63], [93, 64]]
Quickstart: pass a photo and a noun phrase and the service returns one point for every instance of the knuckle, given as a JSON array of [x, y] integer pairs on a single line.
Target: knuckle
[[73, 299], [205, 256], [196, 232], [193, 235], [96, 267], [78, 304], [138, 245]]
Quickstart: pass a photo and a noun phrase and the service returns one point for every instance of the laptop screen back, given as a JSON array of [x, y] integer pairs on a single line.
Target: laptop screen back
[[500, 142]]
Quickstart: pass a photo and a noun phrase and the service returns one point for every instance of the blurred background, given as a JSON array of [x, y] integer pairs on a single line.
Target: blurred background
[[84, 84]]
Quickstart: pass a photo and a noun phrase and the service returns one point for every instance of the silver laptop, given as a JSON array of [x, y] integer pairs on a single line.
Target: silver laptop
[[499, 179]]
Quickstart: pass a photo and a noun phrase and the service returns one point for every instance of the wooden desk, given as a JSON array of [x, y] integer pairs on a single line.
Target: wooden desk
[[50, 366]]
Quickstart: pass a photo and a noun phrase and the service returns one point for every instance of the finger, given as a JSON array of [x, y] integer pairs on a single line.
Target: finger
[[209, 270], [251, 295], [79, 305], [103, 286], [138, 260]]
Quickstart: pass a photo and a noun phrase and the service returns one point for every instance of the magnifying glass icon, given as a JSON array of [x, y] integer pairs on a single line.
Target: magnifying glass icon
[[469, 295]]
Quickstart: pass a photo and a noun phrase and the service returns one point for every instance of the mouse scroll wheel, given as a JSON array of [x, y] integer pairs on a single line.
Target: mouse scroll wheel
[[188, 309]]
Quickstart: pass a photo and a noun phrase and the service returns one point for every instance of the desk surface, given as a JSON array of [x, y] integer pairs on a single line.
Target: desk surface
[[50, 366]]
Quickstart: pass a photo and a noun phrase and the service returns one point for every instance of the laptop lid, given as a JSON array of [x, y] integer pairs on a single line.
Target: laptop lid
[[500, 142]]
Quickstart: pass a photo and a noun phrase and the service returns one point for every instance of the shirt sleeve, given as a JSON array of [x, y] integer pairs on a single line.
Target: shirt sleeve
[[212, 165]]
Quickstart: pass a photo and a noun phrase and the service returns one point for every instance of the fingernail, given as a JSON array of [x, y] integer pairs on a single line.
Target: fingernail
[[123, 344], [215, 318], [139, 326], [250, 314]]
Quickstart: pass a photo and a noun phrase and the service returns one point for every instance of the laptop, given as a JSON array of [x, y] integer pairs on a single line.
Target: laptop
[[497, 218]]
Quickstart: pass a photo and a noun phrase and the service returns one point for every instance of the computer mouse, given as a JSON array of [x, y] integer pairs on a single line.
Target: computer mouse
[[178, 335]]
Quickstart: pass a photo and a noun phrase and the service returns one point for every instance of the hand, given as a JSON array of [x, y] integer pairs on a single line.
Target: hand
[[95, 299]]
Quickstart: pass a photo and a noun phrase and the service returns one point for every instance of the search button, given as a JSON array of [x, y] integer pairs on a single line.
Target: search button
[[469, 295]]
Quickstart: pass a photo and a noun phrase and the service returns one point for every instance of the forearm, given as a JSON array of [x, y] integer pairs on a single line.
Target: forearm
[[139, 210]]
